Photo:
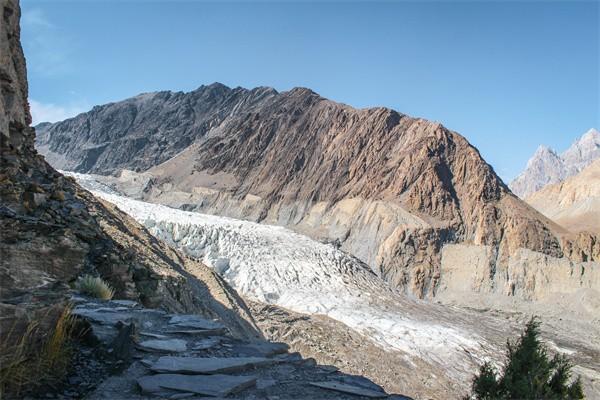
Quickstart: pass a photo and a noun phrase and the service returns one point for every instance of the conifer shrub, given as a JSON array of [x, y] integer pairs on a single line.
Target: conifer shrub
[[529, 372]]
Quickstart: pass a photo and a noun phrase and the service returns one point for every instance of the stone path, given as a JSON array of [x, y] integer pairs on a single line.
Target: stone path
[[164, 356]]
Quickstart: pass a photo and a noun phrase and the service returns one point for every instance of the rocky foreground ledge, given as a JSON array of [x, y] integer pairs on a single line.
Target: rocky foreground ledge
[[140, 353]]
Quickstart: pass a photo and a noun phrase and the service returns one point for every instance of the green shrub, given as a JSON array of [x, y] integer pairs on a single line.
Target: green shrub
[[529, 372], [94, 287]]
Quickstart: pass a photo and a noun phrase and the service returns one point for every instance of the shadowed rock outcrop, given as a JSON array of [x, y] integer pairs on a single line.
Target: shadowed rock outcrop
[[52, 230]]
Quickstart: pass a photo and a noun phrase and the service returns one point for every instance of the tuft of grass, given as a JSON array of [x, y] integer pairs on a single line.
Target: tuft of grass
[[38, 358], [56, 352], [94, 287]]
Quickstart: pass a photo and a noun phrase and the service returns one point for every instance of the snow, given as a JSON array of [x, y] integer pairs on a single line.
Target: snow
[[275, 265]]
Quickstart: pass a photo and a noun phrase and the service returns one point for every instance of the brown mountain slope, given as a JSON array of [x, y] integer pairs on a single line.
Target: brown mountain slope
[[52, 231], [304, 152], [574, 203], [389, 188]]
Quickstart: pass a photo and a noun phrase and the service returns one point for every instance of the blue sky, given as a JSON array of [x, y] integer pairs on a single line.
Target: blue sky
[[507, 75]]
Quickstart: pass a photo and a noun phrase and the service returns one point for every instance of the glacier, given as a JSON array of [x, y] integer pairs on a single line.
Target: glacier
[[275, 265]]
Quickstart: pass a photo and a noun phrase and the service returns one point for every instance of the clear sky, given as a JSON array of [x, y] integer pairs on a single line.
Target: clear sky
[[507, 75]]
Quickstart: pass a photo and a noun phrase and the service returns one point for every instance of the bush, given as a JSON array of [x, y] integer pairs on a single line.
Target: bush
[[529, 372], [94, 287], [34, 362]]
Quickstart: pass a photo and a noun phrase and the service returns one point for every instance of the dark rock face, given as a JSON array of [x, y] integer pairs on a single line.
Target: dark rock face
[[51, 230], [143, 131], [297, 159]]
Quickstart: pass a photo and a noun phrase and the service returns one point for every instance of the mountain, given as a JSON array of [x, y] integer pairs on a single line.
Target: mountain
[[390, 189], [143, 131], [546, 167], [573, 203]]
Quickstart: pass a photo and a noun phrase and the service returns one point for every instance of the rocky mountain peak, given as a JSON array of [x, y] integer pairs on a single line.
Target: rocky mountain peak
[[583, 151], [544, 151], [546, 166], [591, 134]]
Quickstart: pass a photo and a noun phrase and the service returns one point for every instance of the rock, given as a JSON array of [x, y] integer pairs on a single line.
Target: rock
[[361, 381], [193, 365], [265, 383], [123, 345], [330, 369], [198, 332], [345, 388], [310, 362], [126, 303], [106, 318], [262, 349], [194, 321], [154, 335], [40, 199], [213, 385], [206, 344], [290, 358], [178, 396], [168, 345]]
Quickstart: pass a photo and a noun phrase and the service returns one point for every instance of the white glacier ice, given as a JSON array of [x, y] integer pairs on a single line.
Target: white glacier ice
[[275, 265]]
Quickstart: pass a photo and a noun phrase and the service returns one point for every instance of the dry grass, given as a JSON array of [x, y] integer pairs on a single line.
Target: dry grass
[[94, 287], [36, 359]]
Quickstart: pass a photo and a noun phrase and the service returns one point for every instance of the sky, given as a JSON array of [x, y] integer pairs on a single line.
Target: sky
[[507, 75]]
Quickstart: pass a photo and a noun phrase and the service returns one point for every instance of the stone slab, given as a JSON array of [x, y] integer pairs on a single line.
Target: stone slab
[[211, 365], [105, 318], [125, 303], [198, 332], [350, 389], [168, 345], [213, 385], [206, 344], [194, 321], [154, 335], [261, 349]]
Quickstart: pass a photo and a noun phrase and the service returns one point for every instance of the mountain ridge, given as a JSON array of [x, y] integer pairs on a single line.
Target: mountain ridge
[[391, 189]]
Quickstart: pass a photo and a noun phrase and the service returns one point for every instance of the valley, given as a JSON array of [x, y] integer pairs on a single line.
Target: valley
[[273, 265], [265, 244]]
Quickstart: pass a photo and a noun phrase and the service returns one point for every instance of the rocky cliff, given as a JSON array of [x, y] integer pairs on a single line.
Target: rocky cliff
[[389, 188], [547, 167], [52, 230]]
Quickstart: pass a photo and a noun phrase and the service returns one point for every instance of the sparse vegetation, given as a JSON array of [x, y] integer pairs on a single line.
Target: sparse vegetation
[[529, 372], [37, 359], [94, 287]]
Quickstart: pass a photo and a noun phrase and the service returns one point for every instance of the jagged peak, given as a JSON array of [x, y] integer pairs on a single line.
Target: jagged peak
[[302, 91], [592, 135], [544, 150], [217, 85]]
